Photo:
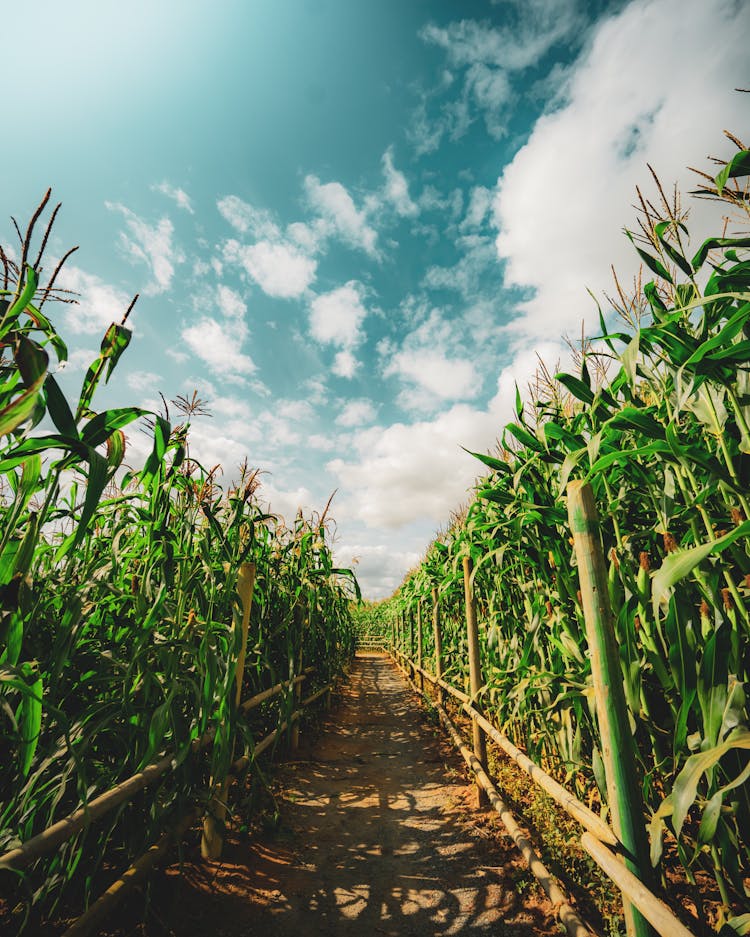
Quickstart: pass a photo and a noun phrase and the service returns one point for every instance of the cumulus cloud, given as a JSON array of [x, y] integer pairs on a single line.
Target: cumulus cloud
[[617, 101], [336, 317], [217, 344], [480, 204], [336, 206], [345, 364], [417, 471], [379, 567], [357, 412], [244, 218], [280, 269], [218, 341], [178, 196], [230, 302], [152, 245], [442, 377], [98, 303], [143, 381]]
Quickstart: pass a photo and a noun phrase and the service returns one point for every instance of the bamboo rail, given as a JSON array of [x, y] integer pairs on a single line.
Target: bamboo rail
[[653, 909], [118, 890], [92, 918], [568, 916], [61, 831], [599, 840]]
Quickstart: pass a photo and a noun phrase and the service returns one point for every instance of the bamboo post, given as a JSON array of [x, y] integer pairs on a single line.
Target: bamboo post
[[419, 645], [438, 643], [618, 751], [411, 642], [212, 841], [475, 674]]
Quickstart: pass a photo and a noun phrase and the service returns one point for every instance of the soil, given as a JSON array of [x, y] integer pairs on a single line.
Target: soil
[[378, 835]]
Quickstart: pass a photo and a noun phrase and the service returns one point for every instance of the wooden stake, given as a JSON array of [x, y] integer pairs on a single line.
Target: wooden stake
[[438, 642], [212, 841], [476, 681], [618, 751]]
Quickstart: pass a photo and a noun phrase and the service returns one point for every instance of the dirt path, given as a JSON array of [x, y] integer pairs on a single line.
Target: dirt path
[[377, 838]]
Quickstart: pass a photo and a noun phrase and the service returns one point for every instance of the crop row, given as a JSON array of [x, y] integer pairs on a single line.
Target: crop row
[[119, 606]]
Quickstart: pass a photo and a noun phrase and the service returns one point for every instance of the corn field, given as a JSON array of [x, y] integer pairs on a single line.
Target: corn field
[[657, 420], [118, 592]]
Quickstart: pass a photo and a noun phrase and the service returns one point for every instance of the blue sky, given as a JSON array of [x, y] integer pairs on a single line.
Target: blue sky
[[354, 225]]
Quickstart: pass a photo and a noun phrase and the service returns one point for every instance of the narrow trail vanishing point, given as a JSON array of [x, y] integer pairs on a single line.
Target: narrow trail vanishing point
[[378, 836]]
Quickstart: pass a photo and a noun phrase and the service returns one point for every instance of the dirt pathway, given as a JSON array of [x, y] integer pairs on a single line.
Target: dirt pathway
[[377, 838]]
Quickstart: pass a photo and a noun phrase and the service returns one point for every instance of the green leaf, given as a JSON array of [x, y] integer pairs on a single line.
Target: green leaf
[[674, 255], [713, 244], [654, 265], [679, 564], [20, 410], [579, 389], [25, 297], [739, 165], [685, 788], [525, 437], [30, 723], [497, 465], [57, 406], [98, 429], [31, 360]]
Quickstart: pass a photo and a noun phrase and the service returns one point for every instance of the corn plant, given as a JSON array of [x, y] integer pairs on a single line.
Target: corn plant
[[118, 597], [657, 420]]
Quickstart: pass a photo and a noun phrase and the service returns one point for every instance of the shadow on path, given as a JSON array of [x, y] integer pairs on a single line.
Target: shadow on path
[[377, 838]]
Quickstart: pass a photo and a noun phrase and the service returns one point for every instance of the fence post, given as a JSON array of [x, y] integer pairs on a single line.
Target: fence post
[[475, 674], [438, 643], [420, 662], [212, 840], [618, 750], [411, 642]]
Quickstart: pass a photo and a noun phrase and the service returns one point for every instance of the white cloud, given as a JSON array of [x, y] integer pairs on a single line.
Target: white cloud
[[178, 196], [336, 206], [357, 412], [78, 361], [281, 270], [397, 188], [297, 410], [590, 153], [99, 303], [151, 244], [379, 568], [321, 442], [336, 317], [217, 344], [410, 472], [442, 377], [480, 203], [489, 57], [230, 302], [345, 364], [245, 218], [143, 381]]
